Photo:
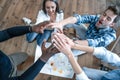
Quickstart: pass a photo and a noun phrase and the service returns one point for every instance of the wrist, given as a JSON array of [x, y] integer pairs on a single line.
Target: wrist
[[75, 41], [30, 29], [70, 55], [42, 59]]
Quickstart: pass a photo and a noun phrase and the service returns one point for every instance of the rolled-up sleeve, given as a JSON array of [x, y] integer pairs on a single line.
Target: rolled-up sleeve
[[84, 18], [107, 56]]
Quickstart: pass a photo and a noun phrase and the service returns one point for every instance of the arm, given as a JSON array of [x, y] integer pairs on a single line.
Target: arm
[[65, 48], [78, 19], [74, 44], [61, 23], [107, 56], [32, 72], [103, 40], [21, 30], [13, 32], [100, 52], [81, 42]]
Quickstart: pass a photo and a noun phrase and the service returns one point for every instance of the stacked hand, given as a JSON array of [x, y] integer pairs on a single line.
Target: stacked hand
[[59, 26], [39, 28], [48, 52], [62, 43], [62, 37]]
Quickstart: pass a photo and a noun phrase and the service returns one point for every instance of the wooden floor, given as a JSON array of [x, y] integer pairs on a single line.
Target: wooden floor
[[12, 11]]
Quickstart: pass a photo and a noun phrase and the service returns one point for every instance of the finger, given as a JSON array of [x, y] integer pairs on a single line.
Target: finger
[[57, 47], [59, 40], [56, 42], [61, 37], [43, 44]]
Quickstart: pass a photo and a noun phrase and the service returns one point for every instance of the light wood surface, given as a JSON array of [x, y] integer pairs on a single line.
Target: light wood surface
[[12, 11]]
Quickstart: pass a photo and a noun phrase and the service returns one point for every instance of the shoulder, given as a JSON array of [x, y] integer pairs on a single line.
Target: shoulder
[[41, 12], [61, 12]]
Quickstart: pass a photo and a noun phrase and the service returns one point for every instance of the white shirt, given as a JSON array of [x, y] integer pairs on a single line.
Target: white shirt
[[107, 56], [45, 17], [104, 55]]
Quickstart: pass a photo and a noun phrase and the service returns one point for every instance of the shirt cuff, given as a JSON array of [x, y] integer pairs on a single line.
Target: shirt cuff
[[96, 51], [99, 52], [82, 76], [90, 42], [78, 17]]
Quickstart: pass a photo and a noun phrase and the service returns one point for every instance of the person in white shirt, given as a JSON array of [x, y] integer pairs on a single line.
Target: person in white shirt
[[64, 44], [50, 12]]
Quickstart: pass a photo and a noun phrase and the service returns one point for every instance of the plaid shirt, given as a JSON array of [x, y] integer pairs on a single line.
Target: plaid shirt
[[96, 37]]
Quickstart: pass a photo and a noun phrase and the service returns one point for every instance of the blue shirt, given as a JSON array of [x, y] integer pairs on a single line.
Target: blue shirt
[[96, 37]]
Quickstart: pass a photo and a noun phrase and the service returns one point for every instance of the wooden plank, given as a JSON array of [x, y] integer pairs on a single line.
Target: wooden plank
[[12, 12], [74, 6]]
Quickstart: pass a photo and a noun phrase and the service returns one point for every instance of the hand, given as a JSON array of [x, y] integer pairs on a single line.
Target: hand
[[39, 28], [62, 45], [56, 25], [48, 52], [64, 37]]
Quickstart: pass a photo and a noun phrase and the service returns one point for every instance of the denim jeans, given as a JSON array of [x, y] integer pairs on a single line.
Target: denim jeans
[[112, 75], [40, 37], [80, 30], [94, 74]]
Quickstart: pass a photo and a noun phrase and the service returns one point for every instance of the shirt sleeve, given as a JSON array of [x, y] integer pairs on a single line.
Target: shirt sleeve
[[107, 56], [84, 18], [82, 76], [60, 16], [31, 72], [103, 39], [42, 17], [13, 32]]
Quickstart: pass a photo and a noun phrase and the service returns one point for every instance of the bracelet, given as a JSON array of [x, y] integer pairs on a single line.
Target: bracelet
[[30, 29]]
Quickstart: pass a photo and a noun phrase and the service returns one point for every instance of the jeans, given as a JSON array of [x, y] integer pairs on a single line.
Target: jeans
[[40, 37], [112, 75], [80, 30], [94, 74]]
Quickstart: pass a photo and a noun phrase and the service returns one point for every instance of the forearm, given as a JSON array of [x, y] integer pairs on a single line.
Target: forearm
[[80, 75], [83, 48], [82, 42], [13, 32], [68, 21], [77, 69], [32, 72]]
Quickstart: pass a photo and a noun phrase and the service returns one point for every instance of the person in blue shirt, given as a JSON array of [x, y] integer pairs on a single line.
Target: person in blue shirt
[[64, 44], [6, 64], [100, 32]]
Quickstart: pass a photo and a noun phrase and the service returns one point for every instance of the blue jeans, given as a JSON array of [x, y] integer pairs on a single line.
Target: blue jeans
[[112, 75], [94, 74], [40, 37], [80, 30]]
